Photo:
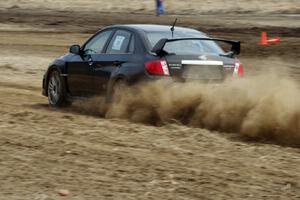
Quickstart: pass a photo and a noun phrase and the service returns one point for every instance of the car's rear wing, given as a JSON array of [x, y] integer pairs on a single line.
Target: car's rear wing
[[158, 48]]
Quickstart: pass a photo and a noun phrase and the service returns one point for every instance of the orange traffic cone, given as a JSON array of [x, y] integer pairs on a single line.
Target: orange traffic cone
[[264, 39], [274, 40]]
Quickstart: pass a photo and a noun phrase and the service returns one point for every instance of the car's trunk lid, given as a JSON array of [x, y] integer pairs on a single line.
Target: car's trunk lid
[[206, 68]]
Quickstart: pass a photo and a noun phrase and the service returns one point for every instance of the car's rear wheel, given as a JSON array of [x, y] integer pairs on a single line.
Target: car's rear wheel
[[56, 89]]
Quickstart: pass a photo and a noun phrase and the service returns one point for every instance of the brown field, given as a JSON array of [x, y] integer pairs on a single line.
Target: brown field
[[121, 155]]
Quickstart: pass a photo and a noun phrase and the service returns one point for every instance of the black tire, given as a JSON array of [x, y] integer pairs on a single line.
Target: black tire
[[56, 89]]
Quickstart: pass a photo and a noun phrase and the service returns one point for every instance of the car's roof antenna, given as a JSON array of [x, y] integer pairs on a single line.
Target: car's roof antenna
[[173, 28]]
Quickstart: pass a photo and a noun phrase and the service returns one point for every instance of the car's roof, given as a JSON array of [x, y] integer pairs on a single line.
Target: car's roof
[[155, 27]]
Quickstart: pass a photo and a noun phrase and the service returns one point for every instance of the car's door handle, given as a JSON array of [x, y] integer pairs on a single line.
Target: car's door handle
[[90, 61], [118, 63]]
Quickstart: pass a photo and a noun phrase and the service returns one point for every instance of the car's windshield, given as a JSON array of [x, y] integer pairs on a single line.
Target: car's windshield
[[185, 47]]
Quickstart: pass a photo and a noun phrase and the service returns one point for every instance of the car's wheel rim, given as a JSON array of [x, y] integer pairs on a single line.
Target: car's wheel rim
[[54, 88]]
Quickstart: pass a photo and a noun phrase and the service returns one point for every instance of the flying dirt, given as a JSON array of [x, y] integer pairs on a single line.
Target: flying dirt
[[263, 107]]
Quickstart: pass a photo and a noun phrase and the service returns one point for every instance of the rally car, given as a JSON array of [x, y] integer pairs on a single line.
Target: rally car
[[128, 54]]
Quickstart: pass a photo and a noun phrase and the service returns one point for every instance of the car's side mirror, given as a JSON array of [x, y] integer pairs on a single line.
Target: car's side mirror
[[75, 49]]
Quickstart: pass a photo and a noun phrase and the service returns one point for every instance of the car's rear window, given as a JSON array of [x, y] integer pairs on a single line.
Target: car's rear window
[[185, 47]]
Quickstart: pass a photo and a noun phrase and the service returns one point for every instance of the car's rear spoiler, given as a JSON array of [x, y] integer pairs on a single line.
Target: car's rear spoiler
[[158, 48]]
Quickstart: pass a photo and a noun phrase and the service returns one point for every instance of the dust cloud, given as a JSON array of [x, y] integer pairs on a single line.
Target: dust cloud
[[262, 107]]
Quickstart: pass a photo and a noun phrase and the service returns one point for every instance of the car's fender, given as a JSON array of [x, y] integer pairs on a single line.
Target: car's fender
[[59, 65]]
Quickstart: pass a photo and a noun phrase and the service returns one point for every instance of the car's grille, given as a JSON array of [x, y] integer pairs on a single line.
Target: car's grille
[[203, 72]]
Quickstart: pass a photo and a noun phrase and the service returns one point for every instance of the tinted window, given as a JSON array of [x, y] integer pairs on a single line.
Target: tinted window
[[119, 43], [186, 46], [192, 47], [97, 44]]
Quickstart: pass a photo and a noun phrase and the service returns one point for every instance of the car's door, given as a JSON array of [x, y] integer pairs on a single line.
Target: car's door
[[119, 52], [81, 69]]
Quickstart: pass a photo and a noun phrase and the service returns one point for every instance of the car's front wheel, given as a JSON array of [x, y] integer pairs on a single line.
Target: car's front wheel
[[56, 89]]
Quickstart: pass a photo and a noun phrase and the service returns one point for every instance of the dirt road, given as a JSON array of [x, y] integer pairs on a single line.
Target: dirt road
[[44, 149]]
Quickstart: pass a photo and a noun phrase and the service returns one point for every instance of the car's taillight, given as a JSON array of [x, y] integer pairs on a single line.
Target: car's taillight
[[157, 67], [238, 69], [235, 70]]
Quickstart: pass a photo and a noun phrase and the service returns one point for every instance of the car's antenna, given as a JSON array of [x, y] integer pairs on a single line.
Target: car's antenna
[[173, 28]]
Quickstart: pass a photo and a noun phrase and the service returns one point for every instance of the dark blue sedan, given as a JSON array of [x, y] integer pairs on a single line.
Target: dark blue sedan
[[128, 54]]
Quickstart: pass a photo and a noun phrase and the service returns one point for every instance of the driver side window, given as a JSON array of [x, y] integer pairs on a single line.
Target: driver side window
[[96, 45]]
